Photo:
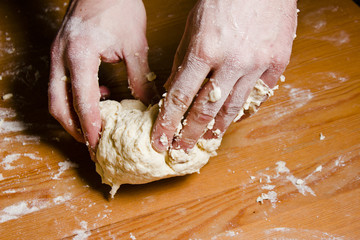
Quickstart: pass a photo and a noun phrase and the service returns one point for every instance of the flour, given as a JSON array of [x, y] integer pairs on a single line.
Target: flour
[[83, 233], [132, 237], [63, 167], [271, 196], [282, 78], [318, 169], [13, 126], [22, 208]]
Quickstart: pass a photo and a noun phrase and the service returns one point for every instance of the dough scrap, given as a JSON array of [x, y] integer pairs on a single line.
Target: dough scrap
[[124, 154]]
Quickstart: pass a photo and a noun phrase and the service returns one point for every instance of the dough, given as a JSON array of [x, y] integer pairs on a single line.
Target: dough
[[124, 154]]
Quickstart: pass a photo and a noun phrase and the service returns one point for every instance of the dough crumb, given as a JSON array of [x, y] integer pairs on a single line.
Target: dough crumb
[[282, 78], [211, 124], [299, 181], [64, 78], [150, 76], [215, 93], [318, 169], [259, 94], [322, 137], [7, 96]]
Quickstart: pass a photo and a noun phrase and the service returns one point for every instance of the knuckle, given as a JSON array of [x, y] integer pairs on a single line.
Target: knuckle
[[230, 110], [179, 99], [279, 63], [203, 115]]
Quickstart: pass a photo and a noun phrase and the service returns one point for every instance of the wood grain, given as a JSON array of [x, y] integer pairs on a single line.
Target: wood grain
[[50, 177]]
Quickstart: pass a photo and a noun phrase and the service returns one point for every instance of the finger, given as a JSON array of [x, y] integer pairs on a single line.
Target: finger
[[178, 99], [60, 99], [104, 92], [233, 105], [272, 75], [141, 79], [83, 68], [206, 106], [179, 57]]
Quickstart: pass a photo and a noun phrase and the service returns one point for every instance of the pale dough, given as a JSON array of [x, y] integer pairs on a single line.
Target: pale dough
[[124, 154]]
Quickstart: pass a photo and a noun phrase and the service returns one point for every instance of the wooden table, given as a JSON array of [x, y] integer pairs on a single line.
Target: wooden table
[[300, 152]]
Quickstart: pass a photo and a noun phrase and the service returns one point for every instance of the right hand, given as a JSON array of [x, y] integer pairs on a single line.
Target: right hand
[[95, 31]]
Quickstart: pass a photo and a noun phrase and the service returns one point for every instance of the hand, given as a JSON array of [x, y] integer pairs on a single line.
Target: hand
[[234, 42], [95, 31]]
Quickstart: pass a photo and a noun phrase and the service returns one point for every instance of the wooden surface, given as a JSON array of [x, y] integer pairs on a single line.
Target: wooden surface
[[49, 188]]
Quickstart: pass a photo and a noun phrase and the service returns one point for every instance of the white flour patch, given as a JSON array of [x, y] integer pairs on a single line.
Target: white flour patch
[[338, 38], [9, 159], [13, 126], [7, 113], [268, 187], [23, 139], [289, 233], [9, 191], [63, 167], [337, 76], [60, 199], [297, 98], [229, 233], [318, 169], [22, 208], [83, 233], [282, 171], [271, 196], [300, 185], [1, 177], [132, 237], [339, 162]]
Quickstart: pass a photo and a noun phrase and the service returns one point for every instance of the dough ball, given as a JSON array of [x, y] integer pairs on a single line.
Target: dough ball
[[125, 155]]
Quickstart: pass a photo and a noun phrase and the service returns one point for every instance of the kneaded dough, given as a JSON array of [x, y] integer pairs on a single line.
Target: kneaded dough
[[124, 154]]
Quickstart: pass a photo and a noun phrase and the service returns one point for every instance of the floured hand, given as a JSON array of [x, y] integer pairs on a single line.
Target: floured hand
[[95, 31], [235, 43]]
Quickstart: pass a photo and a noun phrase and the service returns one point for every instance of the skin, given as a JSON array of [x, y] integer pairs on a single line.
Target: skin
[[94, 31], [234, 43]]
